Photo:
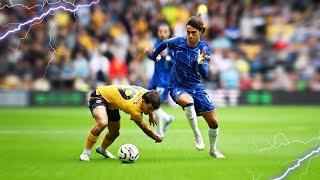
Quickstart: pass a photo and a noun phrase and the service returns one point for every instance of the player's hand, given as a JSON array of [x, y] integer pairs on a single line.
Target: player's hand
[[202, 57], [159, 139], [152, 120], [147, 50]]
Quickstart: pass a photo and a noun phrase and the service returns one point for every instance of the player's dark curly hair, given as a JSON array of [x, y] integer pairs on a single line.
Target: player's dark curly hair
[[196, 22], [152, 97], [166, 23]]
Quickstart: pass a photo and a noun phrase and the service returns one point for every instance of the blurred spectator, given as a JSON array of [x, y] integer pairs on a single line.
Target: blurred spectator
[[315, 82], [81, 65], [67, 73], [230, 78], [221, 42], [41, 84], [99, 68], [259, 45]]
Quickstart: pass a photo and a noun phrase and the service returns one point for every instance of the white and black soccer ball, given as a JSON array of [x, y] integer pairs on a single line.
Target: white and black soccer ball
[[128, 153]]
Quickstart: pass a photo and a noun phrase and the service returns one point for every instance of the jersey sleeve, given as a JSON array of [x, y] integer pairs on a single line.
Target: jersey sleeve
[[136, 117], [207, 48], [204, 67], [168, 43]]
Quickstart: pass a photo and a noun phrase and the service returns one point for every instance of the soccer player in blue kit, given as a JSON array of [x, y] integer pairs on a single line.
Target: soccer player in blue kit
[[191, 55], [161, 78]]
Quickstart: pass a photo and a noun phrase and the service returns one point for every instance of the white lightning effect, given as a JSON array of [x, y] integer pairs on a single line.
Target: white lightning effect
[[52, 28], [312, 153], [277, 144], [40, 18], [45, 14], [306, 171], [12, 5], [252, 174], [21, 5]]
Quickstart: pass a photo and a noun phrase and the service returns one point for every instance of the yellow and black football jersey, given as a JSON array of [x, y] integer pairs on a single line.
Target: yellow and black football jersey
[[124, 97]]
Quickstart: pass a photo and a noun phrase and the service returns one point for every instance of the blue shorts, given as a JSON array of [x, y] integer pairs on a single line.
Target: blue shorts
[[202, 103], [163, 92]]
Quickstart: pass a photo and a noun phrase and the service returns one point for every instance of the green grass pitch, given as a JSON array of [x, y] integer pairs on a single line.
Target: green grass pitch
[[45, 143]]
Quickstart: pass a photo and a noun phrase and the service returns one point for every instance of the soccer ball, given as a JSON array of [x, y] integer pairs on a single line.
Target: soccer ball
[[128, 153]]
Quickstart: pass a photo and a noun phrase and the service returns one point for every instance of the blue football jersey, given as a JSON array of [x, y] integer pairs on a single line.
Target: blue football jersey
[[161, 75], [185, 72]]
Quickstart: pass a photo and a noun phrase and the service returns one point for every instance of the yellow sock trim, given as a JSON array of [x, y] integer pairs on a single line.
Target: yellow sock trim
[[91, 140]]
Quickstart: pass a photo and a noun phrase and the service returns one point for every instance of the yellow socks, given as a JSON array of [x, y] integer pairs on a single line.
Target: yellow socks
[[91, 140]]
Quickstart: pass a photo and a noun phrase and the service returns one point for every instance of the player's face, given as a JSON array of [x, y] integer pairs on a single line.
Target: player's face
[[193, 35], [146, 108], [163, 32]]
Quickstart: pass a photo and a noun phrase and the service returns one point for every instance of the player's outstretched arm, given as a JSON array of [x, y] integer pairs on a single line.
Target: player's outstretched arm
[[168, 43], [144, 127]]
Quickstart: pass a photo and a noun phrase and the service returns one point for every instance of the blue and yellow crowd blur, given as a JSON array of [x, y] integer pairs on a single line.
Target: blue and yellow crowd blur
[[257, 45]]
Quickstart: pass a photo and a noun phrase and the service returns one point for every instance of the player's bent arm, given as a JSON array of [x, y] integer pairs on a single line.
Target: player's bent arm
[[143, 126], [203, 69], [163, 45]]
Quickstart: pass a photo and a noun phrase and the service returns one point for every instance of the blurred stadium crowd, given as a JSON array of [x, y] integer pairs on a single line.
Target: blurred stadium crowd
[[259, 45]]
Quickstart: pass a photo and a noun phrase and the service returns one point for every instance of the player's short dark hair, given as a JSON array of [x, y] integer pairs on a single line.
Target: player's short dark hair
[[152, 97], [196, 22]]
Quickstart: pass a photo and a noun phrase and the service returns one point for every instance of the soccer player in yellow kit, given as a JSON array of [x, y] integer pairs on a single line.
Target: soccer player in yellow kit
[[105, 103]]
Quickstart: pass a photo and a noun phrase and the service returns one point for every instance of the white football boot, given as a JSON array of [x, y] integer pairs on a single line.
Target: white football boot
[[217, 154], [85, 156], [105, 153], [199, 143]]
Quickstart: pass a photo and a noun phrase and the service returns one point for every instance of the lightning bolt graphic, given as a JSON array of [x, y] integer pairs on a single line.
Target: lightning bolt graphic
[[298, 163], [40, 18], [252, 174], [21, 5], [276, 145], [37, 18], [306, 171], [52, 28]]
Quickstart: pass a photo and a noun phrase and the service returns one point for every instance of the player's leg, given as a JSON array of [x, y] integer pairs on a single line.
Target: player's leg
[[212, 121], [159, 112], [114, 127], [111, 136], [167, 121], [100, 115], [186, 101], [164, 120], [205, 108], [168, 118], [159, 117]]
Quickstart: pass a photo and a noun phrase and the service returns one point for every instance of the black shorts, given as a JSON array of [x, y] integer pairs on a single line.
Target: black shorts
[[96, 100]]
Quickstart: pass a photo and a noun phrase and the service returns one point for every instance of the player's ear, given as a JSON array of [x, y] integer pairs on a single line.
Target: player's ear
[[202, 30], [143, 101]]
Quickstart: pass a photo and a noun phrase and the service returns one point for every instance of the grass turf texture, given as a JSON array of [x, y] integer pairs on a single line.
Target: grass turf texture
[[45, 143]]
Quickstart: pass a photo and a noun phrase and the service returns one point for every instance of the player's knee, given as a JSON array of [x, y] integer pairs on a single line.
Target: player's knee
[[114, 135], [214, 123], [185, 99], [214, 126], [102, 124]]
